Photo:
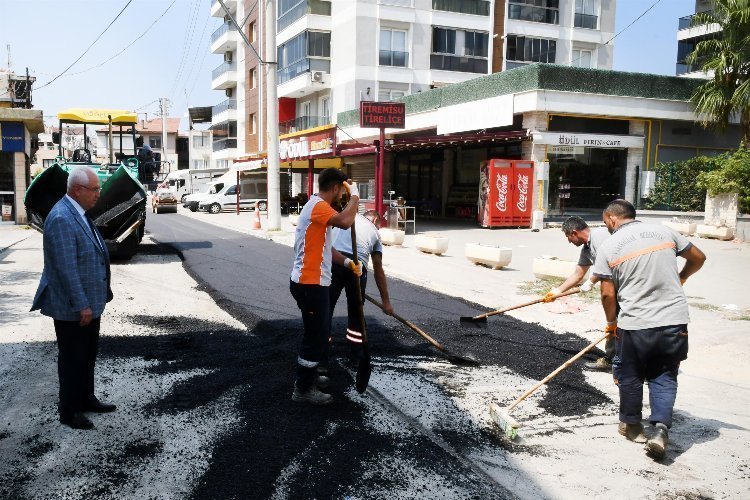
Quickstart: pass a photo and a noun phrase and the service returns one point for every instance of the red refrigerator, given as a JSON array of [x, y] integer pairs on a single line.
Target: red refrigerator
[[505, 188]]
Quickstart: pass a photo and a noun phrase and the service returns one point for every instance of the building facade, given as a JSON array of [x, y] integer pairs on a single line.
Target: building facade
[[688, 35]]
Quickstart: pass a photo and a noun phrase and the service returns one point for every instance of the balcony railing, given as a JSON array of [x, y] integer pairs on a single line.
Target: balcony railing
[[304, 7], [476, 7], [223, 106], [303, 123], [534, 14], [394, 58], [223, 68], [303, 66], [458, 63], [586, 21], [221, 30], [222, 144]]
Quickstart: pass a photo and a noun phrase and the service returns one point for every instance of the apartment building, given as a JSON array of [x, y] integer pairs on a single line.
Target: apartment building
[[687, 38], [228, 122]]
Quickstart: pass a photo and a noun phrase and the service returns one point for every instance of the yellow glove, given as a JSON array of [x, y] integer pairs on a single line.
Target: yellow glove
[[611, 328], [551, 295], [355, 268]]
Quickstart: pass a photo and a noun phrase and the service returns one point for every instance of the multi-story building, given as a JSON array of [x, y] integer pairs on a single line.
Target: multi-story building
[[150, 131], [228, 122], [72, 139], [688, 35]]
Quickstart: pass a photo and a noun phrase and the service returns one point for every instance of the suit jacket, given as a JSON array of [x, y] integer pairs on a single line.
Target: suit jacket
[[76, 268]]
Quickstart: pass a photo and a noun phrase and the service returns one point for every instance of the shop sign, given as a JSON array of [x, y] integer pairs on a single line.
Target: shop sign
[[566, 150], [307, 146], [12, 137], [587, 140], [382, 114]]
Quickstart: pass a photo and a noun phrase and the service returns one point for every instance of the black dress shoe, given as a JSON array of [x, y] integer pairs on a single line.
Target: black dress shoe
[[96, 406], [76, 421]]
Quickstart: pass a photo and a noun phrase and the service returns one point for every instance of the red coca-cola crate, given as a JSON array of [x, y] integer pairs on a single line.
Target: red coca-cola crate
[[505, 192]]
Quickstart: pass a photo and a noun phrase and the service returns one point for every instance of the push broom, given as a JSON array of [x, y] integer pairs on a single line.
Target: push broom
[[502, 417], [481, 320]]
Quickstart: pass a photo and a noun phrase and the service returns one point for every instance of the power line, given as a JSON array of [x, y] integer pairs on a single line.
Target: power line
[[187, 44], [186, 77], [89, 47], [129, 45]]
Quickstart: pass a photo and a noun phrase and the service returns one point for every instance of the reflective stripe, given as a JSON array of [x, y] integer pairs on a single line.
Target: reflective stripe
[[353, 336], [306, 364], [644, 251]]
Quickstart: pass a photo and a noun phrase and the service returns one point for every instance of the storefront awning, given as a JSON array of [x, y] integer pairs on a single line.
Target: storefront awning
[[454, 140]]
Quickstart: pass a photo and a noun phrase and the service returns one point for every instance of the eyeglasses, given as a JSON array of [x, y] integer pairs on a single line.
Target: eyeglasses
[[93, 190]]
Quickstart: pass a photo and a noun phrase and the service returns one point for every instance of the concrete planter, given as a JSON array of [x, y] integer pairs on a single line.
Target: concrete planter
[[488, 255], [434, 243], [715, 232], [686, 228], [721, 210], [293, 219], [391, 237], [552, 267]]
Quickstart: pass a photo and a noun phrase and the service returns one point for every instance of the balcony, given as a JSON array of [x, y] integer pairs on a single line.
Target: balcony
[[217, 11], [303, 123], [394, 58], [224, 144], [224, 39], [586, 21], [476, 7], [301, 9], [458, 63], [224, 111], [534, 14], [224, 76]]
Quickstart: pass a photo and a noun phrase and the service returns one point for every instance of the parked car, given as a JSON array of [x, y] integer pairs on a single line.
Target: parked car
[[191, 201], [164, 200], [253, 191]]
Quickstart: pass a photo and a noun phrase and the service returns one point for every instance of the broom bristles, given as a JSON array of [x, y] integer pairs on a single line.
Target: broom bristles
[[502, 418]]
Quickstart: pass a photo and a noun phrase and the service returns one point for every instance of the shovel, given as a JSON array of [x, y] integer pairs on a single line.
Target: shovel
[[481, 320], [453, 358], [364, 370]]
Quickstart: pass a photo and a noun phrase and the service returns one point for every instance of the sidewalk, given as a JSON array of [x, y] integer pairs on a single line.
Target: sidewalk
[[11, 235]]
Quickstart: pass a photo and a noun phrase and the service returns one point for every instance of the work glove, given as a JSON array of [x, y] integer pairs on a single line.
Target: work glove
[[611, 328], [586, 287], [551, 295], [352, 188], [356, 268]]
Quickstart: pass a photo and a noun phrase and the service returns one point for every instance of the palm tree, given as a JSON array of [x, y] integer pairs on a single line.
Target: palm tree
[[726, 57]]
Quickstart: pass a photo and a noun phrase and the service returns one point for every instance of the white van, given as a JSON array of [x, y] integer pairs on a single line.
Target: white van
[[252, 190], [191, 201], [186, 182]]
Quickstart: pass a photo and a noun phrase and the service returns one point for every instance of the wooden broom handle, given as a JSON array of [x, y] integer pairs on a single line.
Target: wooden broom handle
[[531, 303]]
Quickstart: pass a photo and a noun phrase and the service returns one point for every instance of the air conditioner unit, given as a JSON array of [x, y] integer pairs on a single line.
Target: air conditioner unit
[[228, 56], [229, 92], [317, 76]]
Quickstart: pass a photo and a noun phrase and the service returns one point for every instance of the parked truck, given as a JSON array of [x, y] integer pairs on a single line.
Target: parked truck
[[186, 182]]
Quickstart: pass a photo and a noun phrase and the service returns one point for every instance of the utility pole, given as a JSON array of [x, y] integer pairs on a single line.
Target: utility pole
[[164, 109]]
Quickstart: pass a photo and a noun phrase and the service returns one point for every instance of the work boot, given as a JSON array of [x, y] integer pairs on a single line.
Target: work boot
[[313, 396], [656, 447], [633, 432], [321, 381], [600, 365]]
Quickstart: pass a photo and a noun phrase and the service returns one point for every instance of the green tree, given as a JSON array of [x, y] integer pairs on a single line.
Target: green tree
[[726, 56], [675, 187]]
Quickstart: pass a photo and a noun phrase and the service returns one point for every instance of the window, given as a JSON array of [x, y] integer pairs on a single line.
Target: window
[[325, 109], [154, 141], [199, 163], [251, 32], [47, 163], [308, 51], [289, 11], [318, 44], [51, 146], [231, 190], [393, 48], [385, 94], [585, 16], [524, 49], [253, 78], [200, 140], [476, 7], [582, 58], [536, 11], [459, 50], [253, 122]]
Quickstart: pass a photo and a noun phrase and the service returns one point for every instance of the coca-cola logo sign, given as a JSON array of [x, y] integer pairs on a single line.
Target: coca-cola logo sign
[[501, 184], [523, 191]]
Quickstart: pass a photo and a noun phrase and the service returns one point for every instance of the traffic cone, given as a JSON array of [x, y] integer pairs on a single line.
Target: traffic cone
[[255, 221]]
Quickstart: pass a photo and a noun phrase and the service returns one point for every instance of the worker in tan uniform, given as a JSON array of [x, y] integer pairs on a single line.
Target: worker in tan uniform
[[637, 267]]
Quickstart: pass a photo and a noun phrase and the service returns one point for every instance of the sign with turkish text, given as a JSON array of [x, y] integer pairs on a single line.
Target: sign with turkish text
[[575, 140], [382, 114], [12, 137], [304, 147]]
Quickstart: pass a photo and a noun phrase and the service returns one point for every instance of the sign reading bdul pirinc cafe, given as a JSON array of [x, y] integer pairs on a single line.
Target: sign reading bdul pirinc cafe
[[304, 147], [575, 139], [382, 114]]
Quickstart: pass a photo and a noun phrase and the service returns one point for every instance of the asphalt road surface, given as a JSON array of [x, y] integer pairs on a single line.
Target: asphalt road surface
[[360, 447]]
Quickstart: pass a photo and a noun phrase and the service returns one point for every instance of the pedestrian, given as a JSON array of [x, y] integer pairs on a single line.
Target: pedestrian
[[311, 277], [73, 291], [369, 246], [581, 235], [637, 267]]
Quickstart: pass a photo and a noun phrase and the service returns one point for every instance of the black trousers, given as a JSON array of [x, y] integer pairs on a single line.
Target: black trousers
[[316, 318], [343, 279], [77, 347]]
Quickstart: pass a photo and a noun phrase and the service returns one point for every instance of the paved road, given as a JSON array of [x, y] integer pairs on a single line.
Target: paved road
[[368, 446]]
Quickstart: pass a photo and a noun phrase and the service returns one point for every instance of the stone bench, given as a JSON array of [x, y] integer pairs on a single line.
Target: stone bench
[[391, 237], [685, 228], [716, 232], [431, 243], [545, 268], [492, 256]]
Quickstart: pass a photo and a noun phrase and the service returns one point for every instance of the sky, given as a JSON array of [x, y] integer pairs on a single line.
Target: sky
[[173, 58]]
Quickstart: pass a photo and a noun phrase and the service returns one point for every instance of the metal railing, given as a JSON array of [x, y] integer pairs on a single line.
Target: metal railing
[[222, 68], [394, 58], [586, 21], [223, 106], [303, 123], [458, 63], [299, 10], [534, 14], [222, 144], [302, 66], [224, 28]]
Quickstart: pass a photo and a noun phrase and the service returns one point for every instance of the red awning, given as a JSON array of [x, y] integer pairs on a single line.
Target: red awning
[[454, 140]]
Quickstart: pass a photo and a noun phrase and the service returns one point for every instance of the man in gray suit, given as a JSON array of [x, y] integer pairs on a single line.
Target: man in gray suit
[[73, 291]]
